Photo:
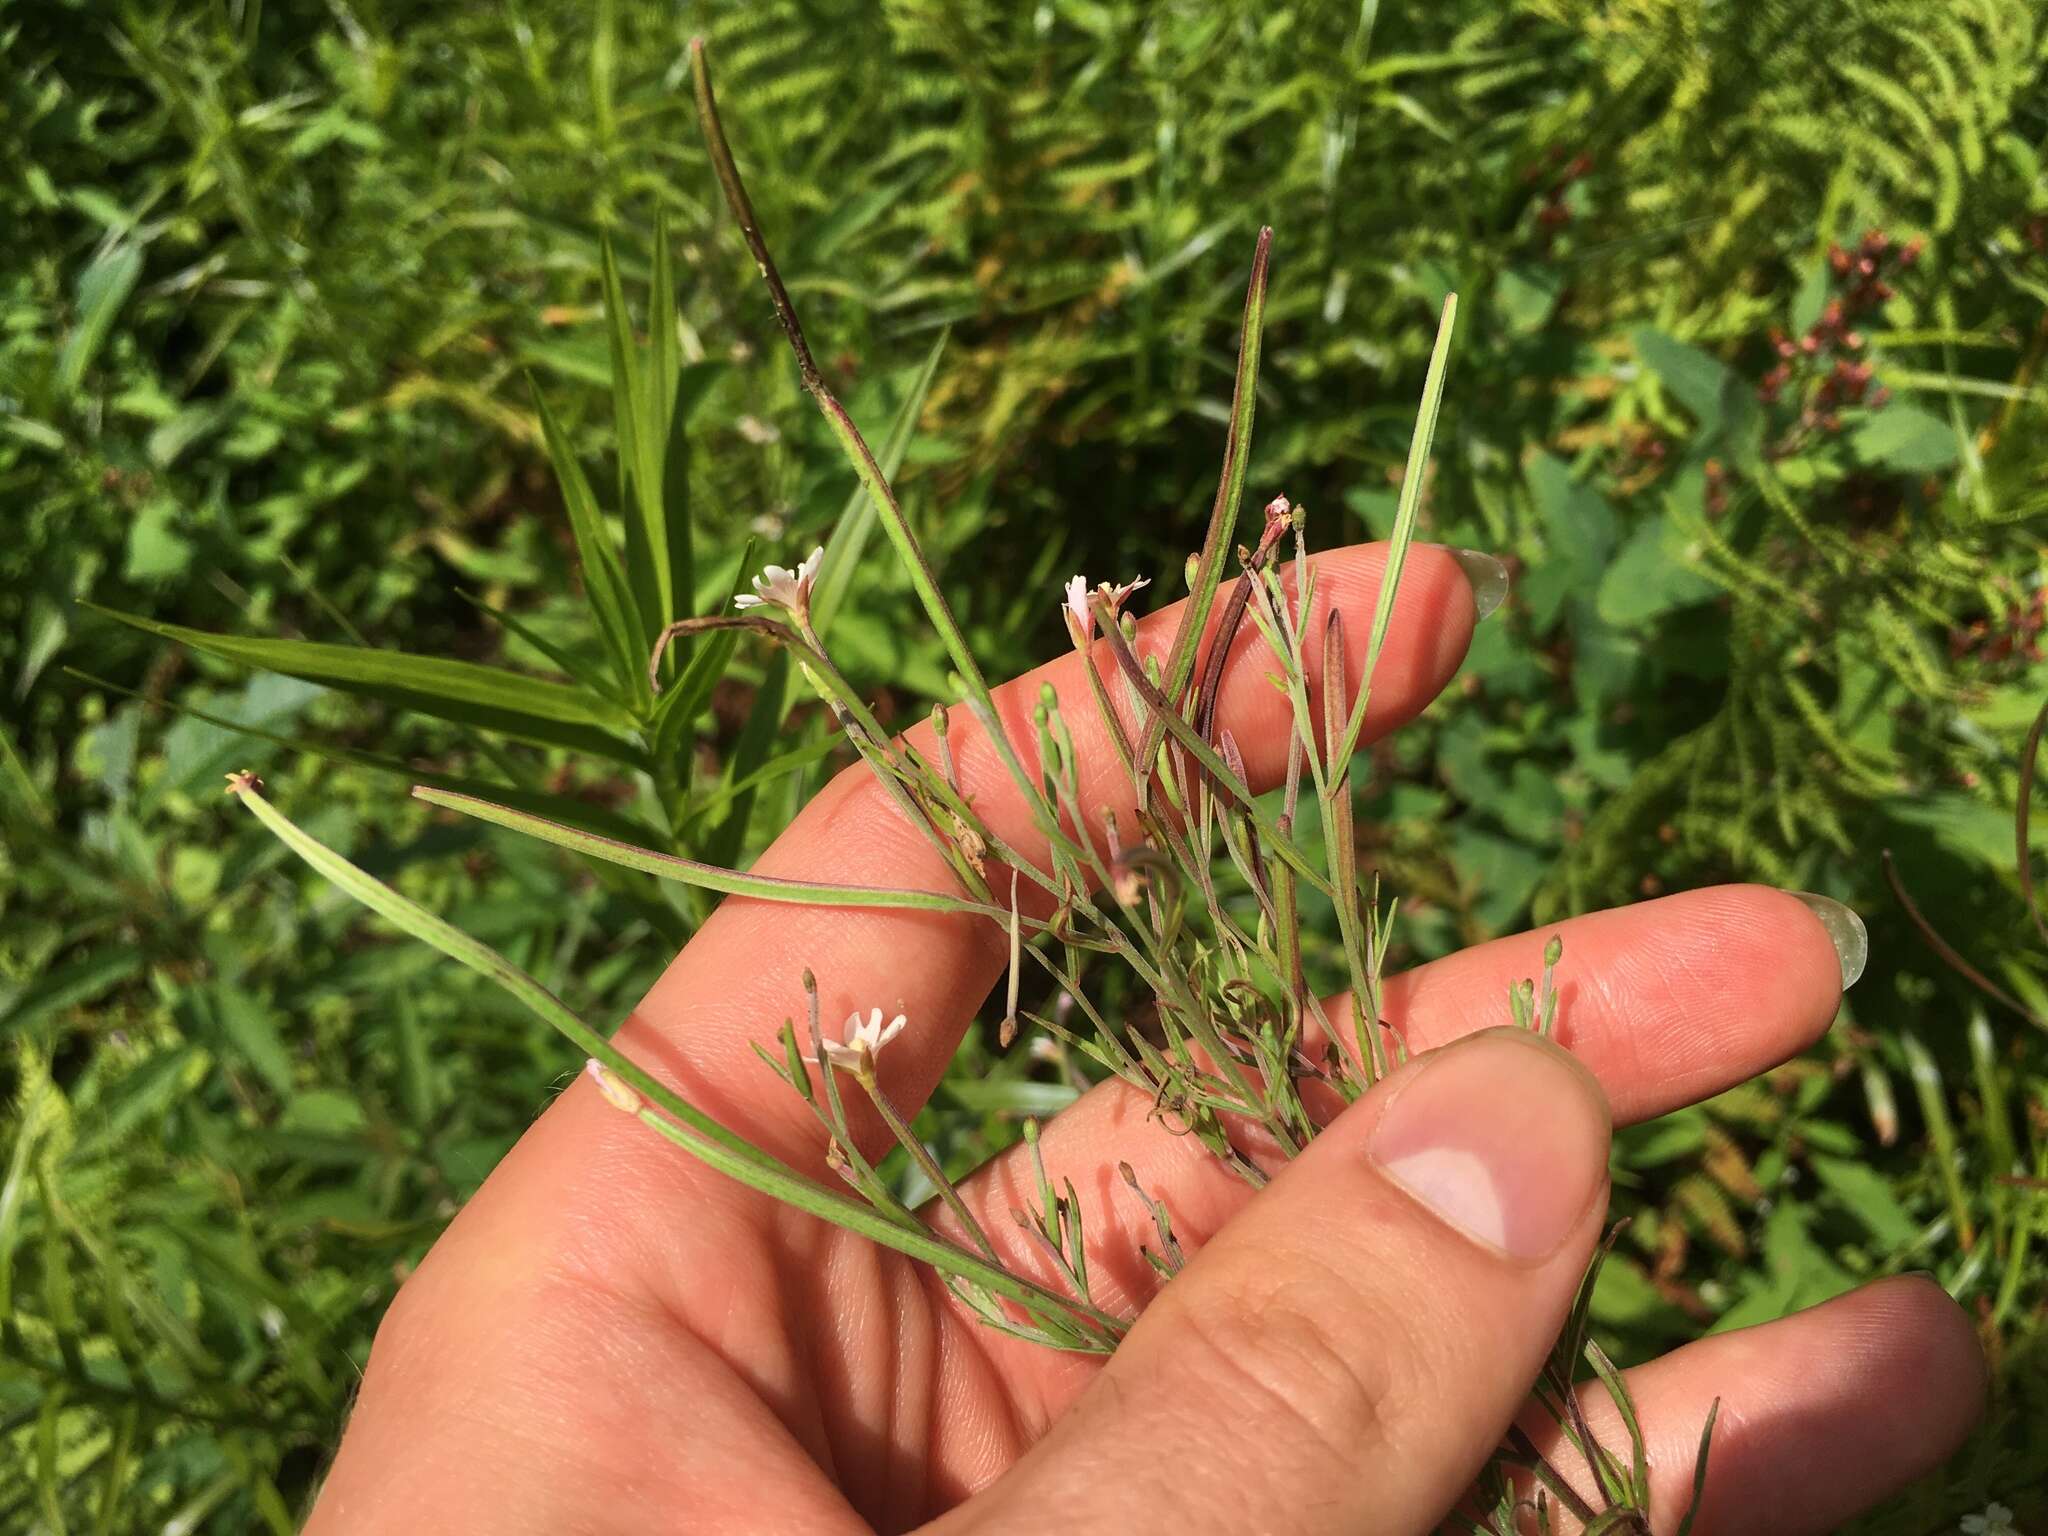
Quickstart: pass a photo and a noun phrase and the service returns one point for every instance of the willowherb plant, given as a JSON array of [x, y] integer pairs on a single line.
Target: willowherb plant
[[1198, 894]]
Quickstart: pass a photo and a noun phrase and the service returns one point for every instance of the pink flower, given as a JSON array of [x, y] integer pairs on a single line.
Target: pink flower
[[785, 588], [1079, 611], [861, 1043]]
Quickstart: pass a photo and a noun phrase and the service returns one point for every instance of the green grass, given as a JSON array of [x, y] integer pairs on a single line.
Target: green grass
[[278, 276]]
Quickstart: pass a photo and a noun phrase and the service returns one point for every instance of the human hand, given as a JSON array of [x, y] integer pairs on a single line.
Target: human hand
[[611, 1337]]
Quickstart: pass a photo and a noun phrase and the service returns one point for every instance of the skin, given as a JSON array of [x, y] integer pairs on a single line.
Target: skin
[[612, 1337]]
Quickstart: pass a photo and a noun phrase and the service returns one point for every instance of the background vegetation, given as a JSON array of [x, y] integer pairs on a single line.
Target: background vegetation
[[276, 274]]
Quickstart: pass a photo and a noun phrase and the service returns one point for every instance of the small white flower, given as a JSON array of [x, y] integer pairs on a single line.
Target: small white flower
[[785, 588], [1079, 612], [860, 1043], [1995, 1521]]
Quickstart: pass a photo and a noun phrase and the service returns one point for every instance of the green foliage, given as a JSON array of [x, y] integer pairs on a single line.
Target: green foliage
[[277, 280]]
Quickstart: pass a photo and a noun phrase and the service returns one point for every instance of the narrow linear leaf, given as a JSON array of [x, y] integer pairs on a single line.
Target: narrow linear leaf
[[103, 288], [1180, 663], [642, 434], [669, 866], [604, 582], [668, 1114], [672, 404], [528, 708], [576, 670], [856, 524], [1405, 515], [560, 807]]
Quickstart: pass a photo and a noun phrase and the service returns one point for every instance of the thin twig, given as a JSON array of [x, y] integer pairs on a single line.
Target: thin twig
[[1948, 952]]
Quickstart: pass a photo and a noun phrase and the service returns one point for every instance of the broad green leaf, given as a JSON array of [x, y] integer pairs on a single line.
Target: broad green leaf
[[1867, 1195], [528, 708], [1525, 296], [1651, 575], [1695, 379], [1965, 825], [1578, 523], [1906, 441]]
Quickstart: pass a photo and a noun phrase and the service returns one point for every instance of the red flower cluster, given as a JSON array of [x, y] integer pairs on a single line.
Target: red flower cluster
[[1832, 346], [2018, 633]]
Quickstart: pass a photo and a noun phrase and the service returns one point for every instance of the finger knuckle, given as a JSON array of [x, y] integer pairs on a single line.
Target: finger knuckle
[[1285, 1353]]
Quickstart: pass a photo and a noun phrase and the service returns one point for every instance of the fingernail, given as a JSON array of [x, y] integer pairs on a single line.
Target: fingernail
[[1501, 1135], [1845, 930], [1488, 577]]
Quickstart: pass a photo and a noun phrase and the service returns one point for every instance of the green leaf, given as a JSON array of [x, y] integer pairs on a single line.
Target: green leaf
[[679, 707], [103, 288], [758, 735], [1696, 380], [669, 866], [642, 430], [673, 405], [1525, 296], [1908, 441], [528, 708], [668, 1114], [569, 665], [856, 524], [843, 552], [1578, 523], [567, 808], [1867, 1195], [1652, 575], [780, 766], [604, 583], [90, 976], [251, 1027]]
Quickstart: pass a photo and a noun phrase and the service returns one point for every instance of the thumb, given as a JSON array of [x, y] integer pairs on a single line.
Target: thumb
[[1346, 1353]]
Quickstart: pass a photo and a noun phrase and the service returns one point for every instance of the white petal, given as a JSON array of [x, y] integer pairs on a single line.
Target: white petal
[[895, 1028], [745, 600]]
